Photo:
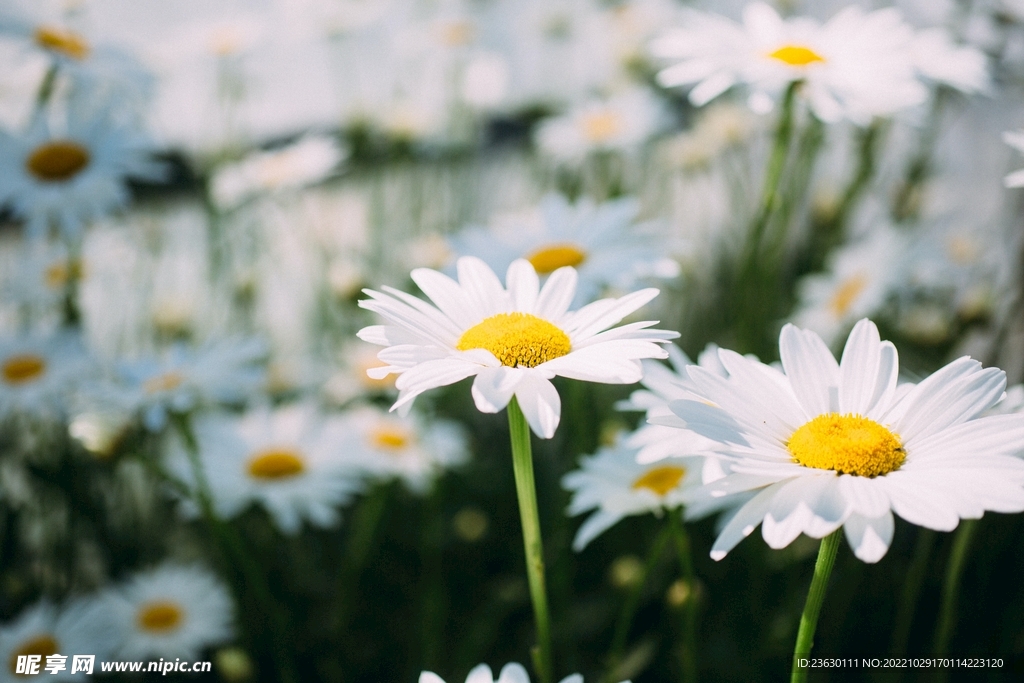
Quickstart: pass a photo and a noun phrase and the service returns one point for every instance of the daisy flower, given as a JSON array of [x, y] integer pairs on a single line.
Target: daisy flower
[[1014, 139], [171, 611], [510, 673], [825, 445], [38, 373], [386, 446], [614, 485], [856, 66], [69, 178], [605, 243], [513, 341], [287, 459], [82, 627]]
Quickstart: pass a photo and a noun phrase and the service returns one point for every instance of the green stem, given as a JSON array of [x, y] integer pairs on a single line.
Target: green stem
[[72, 316], [683, 547], [45, 91], [951, 585], [812, 608], [629, 607], [522, 463], [911, 591]]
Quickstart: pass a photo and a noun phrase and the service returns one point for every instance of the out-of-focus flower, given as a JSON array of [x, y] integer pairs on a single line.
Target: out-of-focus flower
[[170, 611], [856, 66], [63, 180], [510, 673], [620, 123], [614, 485], [937, 58], [1015, 139], [604, 242], [514, 341], [286, 459], [305, 162], [38, 373], [832, 445], [386, 446]]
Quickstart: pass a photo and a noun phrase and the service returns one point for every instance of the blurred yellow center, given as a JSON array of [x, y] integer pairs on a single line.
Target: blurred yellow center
[[67, 43], [168, 381], [601, 127], [39, 645], [57, 161], [554, 256], [848, 444], [390, 437], [517, 339], [660, 480], [276, 464], [23, 367], [796, 55], [60, 273], [160, 616], [846, 294], [457, 33]]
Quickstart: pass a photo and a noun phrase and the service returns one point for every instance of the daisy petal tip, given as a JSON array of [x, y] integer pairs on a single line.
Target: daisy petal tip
[[718, 555]]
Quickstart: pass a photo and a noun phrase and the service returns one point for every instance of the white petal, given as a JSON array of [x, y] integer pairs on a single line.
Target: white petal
[[448, 296], [540, 404], [594, 318], [744, 522], [867, 372], [574, 678], [432, 374], [493, 388], [708, 421], [513, 673], [481, 673], [809, 504], [917, 504], [430, 677], [869, 536], [482, 286], [596, 524], [811, 368], [557, 294], [864, 495]]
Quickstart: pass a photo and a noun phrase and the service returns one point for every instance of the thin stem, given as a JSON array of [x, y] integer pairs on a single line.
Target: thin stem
[[812, 608], [522, 463], [629, 607], [45, 91], [951, 585], [911, 591], [683, 547]]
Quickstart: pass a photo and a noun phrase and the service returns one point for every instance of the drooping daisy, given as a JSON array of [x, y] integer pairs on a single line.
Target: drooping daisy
[[286, 459], [510, 673], [605, 243], [39, 373], [614, 485], [1014, 139], [837, 445], [856, 66], [171, 611], [512, 341], [386, 446], [63, 180], [82, 627]]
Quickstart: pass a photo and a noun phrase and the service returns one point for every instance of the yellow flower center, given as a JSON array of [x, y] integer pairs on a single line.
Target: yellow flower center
[[57, 161], [846, 294], [276, 464], [796, 55], [66, 42], [660, 480], [601, 126], [554, 256], [168, 381], [44, 645], [160, 616], [22, 368], [517, 339], [59, 273], [848, 444], [390, 437]]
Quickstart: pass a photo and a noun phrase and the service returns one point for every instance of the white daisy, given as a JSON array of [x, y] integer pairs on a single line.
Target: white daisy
[[67, 179], [510, 673], [39, 373], [82, 627], [605, 243], [171, 611], [513, 341], [832, 444], [287, 459], [1014, 139], [414, 450], [856, 66], [614, 485]]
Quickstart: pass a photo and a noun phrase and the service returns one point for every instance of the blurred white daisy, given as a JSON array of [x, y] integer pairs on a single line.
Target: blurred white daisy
[[859, 278], [69, 178], [837, 445], [171, 611], [620, 123], [605, 243], [510, 673], [81, 627], [939, 59], [1015, 139], [351, 381], [856, 66], [614, 485], [39, 373], [307, 161], [385, 446], [513, 341], [286, 459]]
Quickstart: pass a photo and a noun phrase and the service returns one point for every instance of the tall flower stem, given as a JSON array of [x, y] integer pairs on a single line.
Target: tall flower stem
[[911, 591], [812, 608], [522, 463], [632, 601], [951, 585], [683, 548]]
